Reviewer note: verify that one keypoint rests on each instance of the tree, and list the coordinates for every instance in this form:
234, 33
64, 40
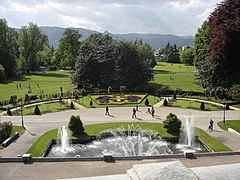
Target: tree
202, 44
67, 51
31, 41
234, 92
5, 130
146, 102
9, 112
165, 102
75, 125
2, 74
220, 58
91, 103
72, 105
202, 106
187, 55
37, 110
103, 61
225, 37
146, 53
170, 54
8, 49
172, 124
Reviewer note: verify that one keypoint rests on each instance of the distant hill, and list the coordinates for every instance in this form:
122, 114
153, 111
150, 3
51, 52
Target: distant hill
155, 40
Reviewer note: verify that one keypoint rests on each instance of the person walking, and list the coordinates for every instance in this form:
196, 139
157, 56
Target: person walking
107, 111
211, 124
134, 113
152, 111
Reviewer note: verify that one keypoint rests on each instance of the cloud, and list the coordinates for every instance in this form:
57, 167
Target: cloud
125, 16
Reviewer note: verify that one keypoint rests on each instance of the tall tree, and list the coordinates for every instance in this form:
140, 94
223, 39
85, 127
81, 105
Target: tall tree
67, 51
8, 48
170, 54
202, 43
104, 62
225, 46
31, 41
187, 55
146, 53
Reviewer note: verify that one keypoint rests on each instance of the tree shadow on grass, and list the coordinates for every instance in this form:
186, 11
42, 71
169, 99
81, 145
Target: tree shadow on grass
45, 74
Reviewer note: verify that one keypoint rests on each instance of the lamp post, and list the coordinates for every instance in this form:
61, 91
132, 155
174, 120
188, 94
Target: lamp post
21, 106
224, 115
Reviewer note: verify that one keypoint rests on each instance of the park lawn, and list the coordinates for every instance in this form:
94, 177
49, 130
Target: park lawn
188, 104
212, 143
40, 145
49, 83
19, 129
44, 108
175, 76
85, 101
236, 105
234, 124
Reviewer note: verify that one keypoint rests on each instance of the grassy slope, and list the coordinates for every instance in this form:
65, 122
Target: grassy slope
182, 75
49, 82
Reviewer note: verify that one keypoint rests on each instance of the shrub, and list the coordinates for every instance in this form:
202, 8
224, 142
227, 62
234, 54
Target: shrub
172, 124
37, 110
202, 106
91, 103
75, 125
227, 106
9, 112
146, 102
5, 130
165, 102
175, 96
72, 105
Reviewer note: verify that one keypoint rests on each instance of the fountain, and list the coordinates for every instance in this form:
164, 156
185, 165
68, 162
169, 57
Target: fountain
187, 140
119, 143
64, 146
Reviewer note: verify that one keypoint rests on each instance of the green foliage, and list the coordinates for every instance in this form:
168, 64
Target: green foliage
8, 49
5, 130
9, 112
2, 74
91, 103
37, 110
72, 105
75, 125
31, 41
67, 50
146, 102
103, 61
172, 124
165, 102
202, 43
202, 106
170, 54
234, 92
187, 55
146, 53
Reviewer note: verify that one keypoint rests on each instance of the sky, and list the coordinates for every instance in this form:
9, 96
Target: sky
179, 17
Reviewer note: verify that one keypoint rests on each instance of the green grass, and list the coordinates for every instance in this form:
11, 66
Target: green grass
85, 101
19, 129
175, 76
188, 104
236, 105
215, 145
234, 124
49, 82
40, 145
44, 108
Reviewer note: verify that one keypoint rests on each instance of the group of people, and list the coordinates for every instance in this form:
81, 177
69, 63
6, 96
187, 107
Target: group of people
134, 111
